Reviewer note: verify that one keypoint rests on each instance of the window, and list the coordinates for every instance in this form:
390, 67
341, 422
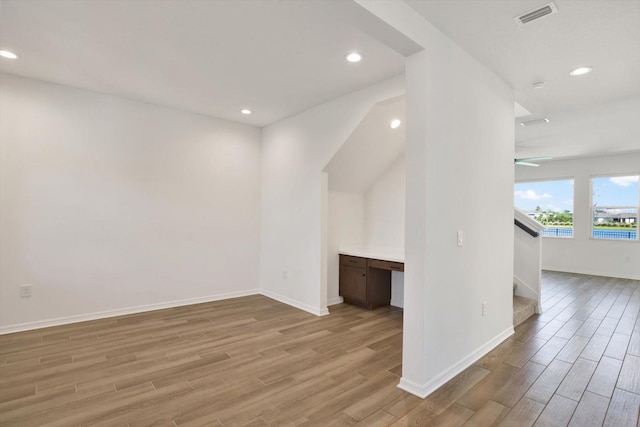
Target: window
550, 202
615, 201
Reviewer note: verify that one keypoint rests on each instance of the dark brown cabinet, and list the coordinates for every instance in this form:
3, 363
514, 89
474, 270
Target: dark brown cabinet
353, 283
366, 282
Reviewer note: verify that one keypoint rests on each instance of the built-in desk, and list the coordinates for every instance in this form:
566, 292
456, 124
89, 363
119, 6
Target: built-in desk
365, 276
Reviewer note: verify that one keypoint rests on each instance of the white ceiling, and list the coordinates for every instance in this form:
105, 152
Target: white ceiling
211, 57
589, 115
280, 57
373, 146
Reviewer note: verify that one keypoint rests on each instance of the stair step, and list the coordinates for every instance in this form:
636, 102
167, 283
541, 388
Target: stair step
523, 308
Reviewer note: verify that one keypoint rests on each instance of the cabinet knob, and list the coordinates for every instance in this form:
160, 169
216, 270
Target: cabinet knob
363, 274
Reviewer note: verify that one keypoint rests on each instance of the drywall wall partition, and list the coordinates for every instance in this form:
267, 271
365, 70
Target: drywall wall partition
294, 153
459, 180
582, 254
112, 206
459, 156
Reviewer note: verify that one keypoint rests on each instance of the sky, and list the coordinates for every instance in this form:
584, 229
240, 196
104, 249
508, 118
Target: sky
616, 191
558, 195
549, 195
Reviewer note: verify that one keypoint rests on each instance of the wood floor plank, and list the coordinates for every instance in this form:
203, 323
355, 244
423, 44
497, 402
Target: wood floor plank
490, 414
442, 398
605, 376
569, 329
380, 418
629, 378
572, 349
547, 383
524, 351
255, 361
496, 356
634, 343
626, 324
577, 379
523, 414
623, 409
590, 411
403, 405
589, 327
482, 392
557, 413
596, 347
418, 417
607, 326
617, 347
455, 416
510, 393
548, 352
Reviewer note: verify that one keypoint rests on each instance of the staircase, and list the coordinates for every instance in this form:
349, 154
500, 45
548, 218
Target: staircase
527, 265
523, 308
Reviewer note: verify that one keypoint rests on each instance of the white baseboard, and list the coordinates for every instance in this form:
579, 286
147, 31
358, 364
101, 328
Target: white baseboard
334, 301
20, 327
121, 311
592, 273
429, 387
293, 303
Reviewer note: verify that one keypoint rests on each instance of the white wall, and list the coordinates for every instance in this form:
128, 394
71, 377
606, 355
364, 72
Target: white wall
110, 205
583, 254
384, 209
294, 153
345, 229
384, 213
459, 178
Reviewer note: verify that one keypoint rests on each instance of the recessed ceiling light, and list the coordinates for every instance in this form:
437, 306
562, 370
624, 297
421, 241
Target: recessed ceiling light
580, 71
537, 85
7, 54
353, 57
395, 123
245, 111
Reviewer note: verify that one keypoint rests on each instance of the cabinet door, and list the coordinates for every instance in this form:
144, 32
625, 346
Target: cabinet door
353, 283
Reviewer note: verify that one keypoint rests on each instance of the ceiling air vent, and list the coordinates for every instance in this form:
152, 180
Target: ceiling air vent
548, 9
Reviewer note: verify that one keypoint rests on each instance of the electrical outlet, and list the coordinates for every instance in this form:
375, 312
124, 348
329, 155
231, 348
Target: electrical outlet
285, 274
25, 291
627, 259
460, 241
484, 308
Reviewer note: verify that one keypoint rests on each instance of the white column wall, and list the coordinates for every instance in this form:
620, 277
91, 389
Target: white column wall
459, 178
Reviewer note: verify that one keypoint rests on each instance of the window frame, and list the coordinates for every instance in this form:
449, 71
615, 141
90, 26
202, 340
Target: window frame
591, 208
573, 197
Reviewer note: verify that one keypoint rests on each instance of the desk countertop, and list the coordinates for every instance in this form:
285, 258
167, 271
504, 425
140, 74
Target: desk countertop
395, 255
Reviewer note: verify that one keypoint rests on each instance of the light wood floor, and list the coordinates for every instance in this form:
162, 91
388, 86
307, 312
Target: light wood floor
254, 361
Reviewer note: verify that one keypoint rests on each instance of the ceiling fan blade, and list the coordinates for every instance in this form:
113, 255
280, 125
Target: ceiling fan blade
534, 159
518, 162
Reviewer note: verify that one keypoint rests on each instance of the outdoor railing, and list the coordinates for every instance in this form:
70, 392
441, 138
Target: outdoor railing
558, 232
615, 234
596, 234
